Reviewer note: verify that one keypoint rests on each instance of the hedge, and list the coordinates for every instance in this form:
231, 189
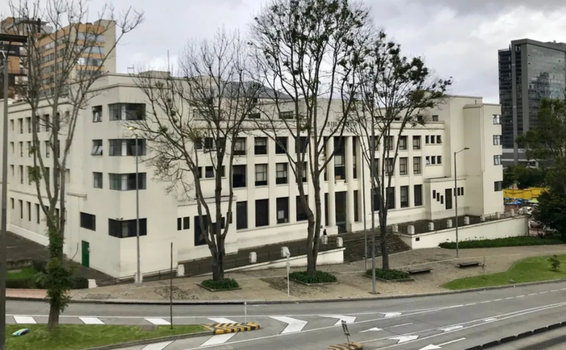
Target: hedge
389, 275
225, 284
31, 283
319, 277
503, 242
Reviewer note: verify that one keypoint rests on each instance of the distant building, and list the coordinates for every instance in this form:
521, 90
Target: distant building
529, 71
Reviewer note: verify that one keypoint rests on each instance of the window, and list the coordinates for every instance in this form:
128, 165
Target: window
28, 170
97, 180
287, 115
21, 149
389, 166
47, 149
126, 228
281, 145
260, 145
390, 197
301, 211
29, 148
305, 172
12, 147
88, 221
183, 223
47, 121
21, 125
261, 212
403, 162
497, 159
448, 202
403, 143
438, 139
434, 117
281, 173
12, 203
417, 161
96, 148
200, 231
389, 140
96, 114
209, 172
301, 144
28, 124
127, 182
282, 210
21, 203
496, 140
427, 139
498, 186
241, 215
126, 147
12, 125
404, 196
28, 205
126, 111
416, 142
496, 119
36, 212
438, 160
240, 146
239, 176
418, 194
261, 174
254, 115
21, 174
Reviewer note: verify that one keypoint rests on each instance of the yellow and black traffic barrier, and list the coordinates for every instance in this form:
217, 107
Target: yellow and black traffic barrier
225, 328
347, 346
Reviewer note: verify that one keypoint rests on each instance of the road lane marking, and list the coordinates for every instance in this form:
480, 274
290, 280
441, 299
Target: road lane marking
451, 328
348, 319
221, 320
293, 324
374, 329
157, 346
158, 321
509, 298
451, 342
400, 325
91, 320
404, 338
391, 314
24, 320
520, 296
218, 339
544, 292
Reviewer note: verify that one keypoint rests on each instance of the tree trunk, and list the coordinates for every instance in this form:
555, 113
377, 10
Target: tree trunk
53, 321
383, 244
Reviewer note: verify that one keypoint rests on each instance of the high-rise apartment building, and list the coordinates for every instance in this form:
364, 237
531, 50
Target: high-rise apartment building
529, 71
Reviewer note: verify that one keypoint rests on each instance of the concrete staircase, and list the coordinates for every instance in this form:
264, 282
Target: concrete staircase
354, 244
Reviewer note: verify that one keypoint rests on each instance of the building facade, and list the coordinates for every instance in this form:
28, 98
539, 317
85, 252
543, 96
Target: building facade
529, 71
101, 203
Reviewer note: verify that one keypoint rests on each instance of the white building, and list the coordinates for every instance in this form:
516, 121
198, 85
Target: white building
101, 207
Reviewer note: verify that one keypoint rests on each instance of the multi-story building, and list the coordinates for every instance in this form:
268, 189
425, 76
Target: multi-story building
101, 203
529, 71
98, 39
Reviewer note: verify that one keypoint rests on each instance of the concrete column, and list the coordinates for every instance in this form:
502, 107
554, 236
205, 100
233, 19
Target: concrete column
349, 156
331, 184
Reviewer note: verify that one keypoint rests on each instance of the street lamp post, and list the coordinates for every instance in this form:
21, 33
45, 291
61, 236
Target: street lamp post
372, 170
8, 39
456, 200
139, 277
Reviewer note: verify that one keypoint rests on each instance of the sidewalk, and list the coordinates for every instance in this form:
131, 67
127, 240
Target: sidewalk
272, 285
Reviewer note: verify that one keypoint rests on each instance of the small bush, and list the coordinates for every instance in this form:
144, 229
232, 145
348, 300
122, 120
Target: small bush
554, 263
225, 284
502, 242
389, 275
39, 265
80, 283
21, 283
319, 277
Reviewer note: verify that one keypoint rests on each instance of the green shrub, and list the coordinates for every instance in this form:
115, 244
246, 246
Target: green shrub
319, 277
80, 283
39, 265
389, 275
225, 284
502, 242
554, 263
21, 283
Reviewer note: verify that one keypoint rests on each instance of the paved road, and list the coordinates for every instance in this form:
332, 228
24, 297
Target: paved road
447, 322
552, 340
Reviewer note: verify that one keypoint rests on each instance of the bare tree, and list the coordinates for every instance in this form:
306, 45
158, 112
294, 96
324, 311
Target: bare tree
308, 52
195, 122
62, 64
395, 93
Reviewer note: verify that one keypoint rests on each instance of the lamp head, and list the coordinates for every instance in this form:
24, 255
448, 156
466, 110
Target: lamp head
466, 148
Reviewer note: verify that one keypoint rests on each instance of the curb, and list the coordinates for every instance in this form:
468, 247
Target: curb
151, 341
346, 346
227, 328
274, 302
518, 336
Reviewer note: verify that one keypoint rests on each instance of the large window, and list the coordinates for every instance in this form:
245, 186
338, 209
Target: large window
183, 223
261, 212
389, 142
240, 146
127, 147
127, 111
448, 202
389, 166
97, 180
301, 144
497, 159
281, 145
417, 165
282, 210
281, 173
241, 215
260, 145
96, 148
403, 166
498, 186
403, 143
390, 197
418, 195
261, 174
239, 176
301, 211
126, 228
404, 196
88, 221
126, 182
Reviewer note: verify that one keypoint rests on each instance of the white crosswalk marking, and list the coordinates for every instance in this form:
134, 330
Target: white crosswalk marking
24, 320
91, 320
218, 339
221, 320
157, 346
158, 321
293, 324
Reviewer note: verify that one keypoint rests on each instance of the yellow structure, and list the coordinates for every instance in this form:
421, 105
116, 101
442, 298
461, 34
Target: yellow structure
529, 193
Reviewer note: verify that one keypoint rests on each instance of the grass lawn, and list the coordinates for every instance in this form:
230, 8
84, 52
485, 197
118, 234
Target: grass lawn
528, 270
24, 272
73, 337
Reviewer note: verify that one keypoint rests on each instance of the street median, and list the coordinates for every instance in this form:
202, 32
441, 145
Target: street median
225, 328
346, 346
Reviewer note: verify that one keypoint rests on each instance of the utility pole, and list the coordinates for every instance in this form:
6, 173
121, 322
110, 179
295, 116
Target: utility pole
456, 201
139, 278
372, 154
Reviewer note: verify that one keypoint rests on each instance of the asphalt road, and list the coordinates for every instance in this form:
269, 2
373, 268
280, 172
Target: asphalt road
451, 322
552, 340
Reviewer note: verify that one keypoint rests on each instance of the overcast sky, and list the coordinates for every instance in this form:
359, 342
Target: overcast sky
458, 38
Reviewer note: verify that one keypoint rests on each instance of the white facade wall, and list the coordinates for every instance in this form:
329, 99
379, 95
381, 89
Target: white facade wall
461, 122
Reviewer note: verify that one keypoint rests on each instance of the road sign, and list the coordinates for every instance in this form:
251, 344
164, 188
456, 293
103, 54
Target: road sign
345, 328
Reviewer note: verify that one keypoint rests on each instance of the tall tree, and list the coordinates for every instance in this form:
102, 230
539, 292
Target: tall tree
395, 94
195, 123
307, 51
62, 64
